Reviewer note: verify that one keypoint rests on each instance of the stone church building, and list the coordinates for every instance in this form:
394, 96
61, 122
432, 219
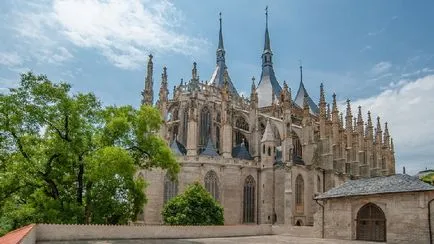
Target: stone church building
265, 157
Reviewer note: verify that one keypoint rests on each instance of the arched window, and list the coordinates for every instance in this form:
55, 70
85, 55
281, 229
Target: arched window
383, 163
249, 200
205, 126
298, 151
318, 184
211, 184
371, 223
170, 188
185, 127
299, 194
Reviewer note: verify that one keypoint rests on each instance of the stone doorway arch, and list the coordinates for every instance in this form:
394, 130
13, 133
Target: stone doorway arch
371, 223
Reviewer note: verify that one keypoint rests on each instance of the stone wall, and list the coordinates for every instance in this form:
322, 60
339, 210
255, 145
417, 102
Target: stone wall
51, 232
406, 216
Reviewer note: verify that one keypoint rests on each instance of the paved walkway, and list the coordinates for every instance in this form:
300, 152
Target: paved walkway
275, 239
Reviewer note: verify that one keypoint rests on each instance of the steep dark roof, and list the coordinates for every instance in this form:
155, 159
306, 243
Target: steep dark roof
241, 152
210, 150
369, 186
177, 148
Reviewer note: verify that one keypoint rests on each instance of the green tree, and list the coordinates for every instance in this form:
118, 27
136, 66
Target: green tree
64, 158
429, 178
194, 207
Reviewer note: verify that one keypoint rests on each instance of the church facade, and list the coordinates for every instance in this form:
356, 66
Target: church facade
263, 158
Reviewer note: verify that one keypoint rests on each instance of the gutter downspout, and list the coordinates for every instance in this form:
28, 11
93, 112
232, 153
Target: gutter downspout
322, 224
429, 221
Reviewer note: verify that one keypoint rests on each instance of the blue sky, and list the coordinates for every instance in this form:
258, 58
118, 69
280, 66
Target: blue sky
377, 53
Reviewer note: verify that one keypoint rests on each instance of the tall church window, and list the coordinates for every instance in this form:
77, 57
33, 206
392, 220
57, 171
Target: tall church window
298, 151
170, 188
211, 184
185, 127
318, 184
249, 200
205, 126
299, 194
383, 163
217, 136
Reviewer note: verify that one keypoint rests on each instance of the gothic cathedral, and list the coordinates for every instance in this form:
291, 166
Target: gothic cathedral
263, 158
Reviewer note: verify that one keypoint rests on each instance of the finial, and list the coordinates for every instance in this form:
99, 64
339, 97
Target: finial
301, 72
341, 120
150, 57
182, 82
335, 105
378, 124
348, 107
266, 16
328, 110
359, 115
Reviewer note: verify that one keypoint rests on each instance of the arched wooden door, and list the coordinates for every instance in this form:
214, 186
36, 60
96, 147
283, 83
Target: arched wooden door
371, 223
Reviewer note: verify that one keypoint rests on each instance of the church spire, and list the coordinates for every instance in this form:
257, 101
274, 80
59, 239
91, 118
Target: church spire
220, 47
148, 92
267, 54
268, 83
267, 45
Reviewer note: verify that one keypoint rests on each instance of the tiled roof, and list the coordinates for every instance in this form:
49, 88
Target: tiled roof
15, 237
377, 185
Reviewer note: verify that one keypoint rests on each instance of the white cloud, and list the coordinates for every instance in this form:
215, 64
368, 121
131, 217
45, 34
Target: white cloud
10, 59
122, 31
381, 67
408, 107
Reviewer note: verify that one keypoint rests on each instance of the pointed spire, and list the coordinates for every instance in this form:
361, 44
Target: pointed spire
220, 48
378, 134
148, 93
267, 45
386, 136
322, 102
341, 119
378, 125
220, 33
359, 116
268, 133
335, 105
301, 74
253, 84
164, 92
348, 116
369, 127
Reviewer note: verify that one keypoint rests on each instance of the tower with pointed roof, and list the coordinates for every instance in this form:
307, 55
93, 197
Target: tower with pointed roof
268, 86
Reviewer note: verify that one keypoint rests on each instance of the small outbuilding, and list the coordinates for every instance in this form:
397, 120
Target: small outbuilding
392, 209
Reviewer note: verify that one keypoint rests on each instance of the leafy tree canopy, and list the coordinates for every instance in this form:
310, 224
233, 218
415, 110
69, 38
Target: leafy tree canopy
194, 207
429, 178
64, 158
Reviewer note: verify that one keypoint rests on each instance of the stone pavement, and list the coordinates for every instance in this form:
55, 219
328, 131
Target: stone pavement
275, 239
